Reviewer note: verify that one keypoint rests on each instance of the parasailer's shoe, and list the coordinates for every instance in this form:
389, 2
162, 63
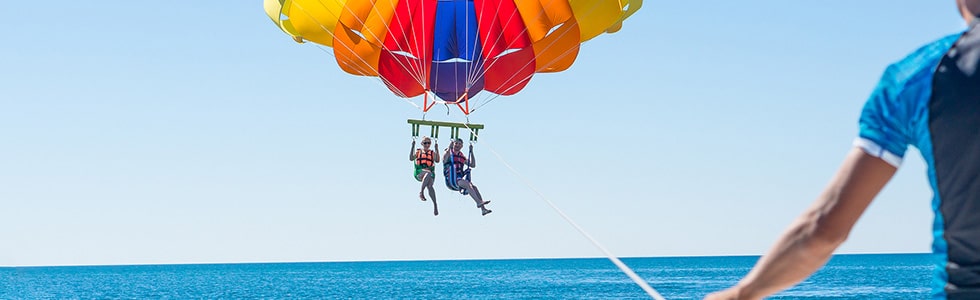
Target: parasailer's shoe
486, 211
422, 196
483, 204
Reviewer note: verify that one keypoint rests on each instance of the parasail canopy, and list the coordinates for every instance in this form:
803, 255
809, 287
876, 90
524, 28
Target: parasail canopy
451, 49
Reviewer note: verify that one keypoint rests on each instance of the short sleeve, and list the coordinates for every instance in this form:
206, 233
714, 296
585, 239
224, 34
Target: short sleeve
894, 115
883, 126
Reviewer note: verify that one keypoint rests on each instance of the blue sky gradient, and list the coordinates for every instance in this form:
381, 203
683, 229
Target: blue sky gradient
196, 132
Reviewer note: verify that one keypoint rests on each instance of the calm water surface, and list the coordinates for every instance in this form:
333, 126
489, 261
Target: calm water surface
867, 276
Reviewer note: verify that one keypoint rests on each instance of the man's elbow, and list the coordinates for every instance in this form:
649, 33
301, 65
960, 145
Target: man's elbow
825, 236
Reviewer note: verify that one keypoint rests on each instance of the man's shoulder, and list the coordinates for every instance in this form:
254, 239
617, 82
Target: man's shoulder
920, 62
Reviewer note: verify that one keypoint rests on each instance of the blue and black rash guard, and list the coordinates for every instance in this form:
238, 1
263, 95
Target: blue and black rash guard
931, 100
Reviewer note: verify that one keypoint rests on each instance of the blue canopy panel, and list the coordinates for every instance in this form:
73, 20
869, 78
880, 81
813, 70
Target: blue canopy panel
457, 62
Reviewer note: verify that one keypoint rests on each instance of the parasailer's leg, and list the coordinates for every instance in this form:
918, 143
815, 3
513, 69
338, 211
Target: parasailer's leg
435, 207
475, 193
421, 176
427, 183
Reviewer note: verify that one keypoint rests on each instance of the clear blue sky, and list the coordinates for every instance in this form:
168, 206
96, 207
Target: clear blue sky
195, 131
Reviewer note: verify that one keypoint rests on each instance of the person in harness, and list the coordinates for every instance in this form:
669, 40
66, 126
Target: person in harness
456, 168
425, 161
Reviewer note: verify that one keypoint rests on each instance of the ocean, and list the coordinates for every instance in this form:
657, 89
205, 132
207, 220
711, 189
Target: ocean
856, 276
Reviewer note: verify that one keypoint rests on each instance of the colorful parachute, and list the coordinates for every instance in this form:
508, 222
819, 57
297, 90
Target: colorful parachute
452, 49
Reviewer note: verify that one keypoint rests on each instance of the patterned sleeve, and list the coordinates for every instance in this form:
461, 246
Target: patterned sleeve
883, 123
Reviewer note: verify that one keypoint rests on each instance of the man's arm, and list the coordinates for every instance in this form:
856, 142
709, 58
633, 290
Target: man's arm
812, 238
435, 152
472, 159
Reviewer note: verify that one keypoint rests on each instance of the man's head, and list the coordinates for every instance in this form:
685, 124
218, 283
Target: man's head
457, 143
426, 141
970, 9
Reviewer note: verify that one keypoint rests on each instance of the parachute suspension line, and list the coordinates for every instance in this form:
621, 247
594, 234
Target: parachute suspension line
381, 80
478, 70
416, 75
456, 75
412, 104
323, 48
515, 83
419, 45
483, 65
325, 29
590, 11
474, 67
523, 31
417, 67
615, 260
425, 105
332, 35
411, 68
563, 54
